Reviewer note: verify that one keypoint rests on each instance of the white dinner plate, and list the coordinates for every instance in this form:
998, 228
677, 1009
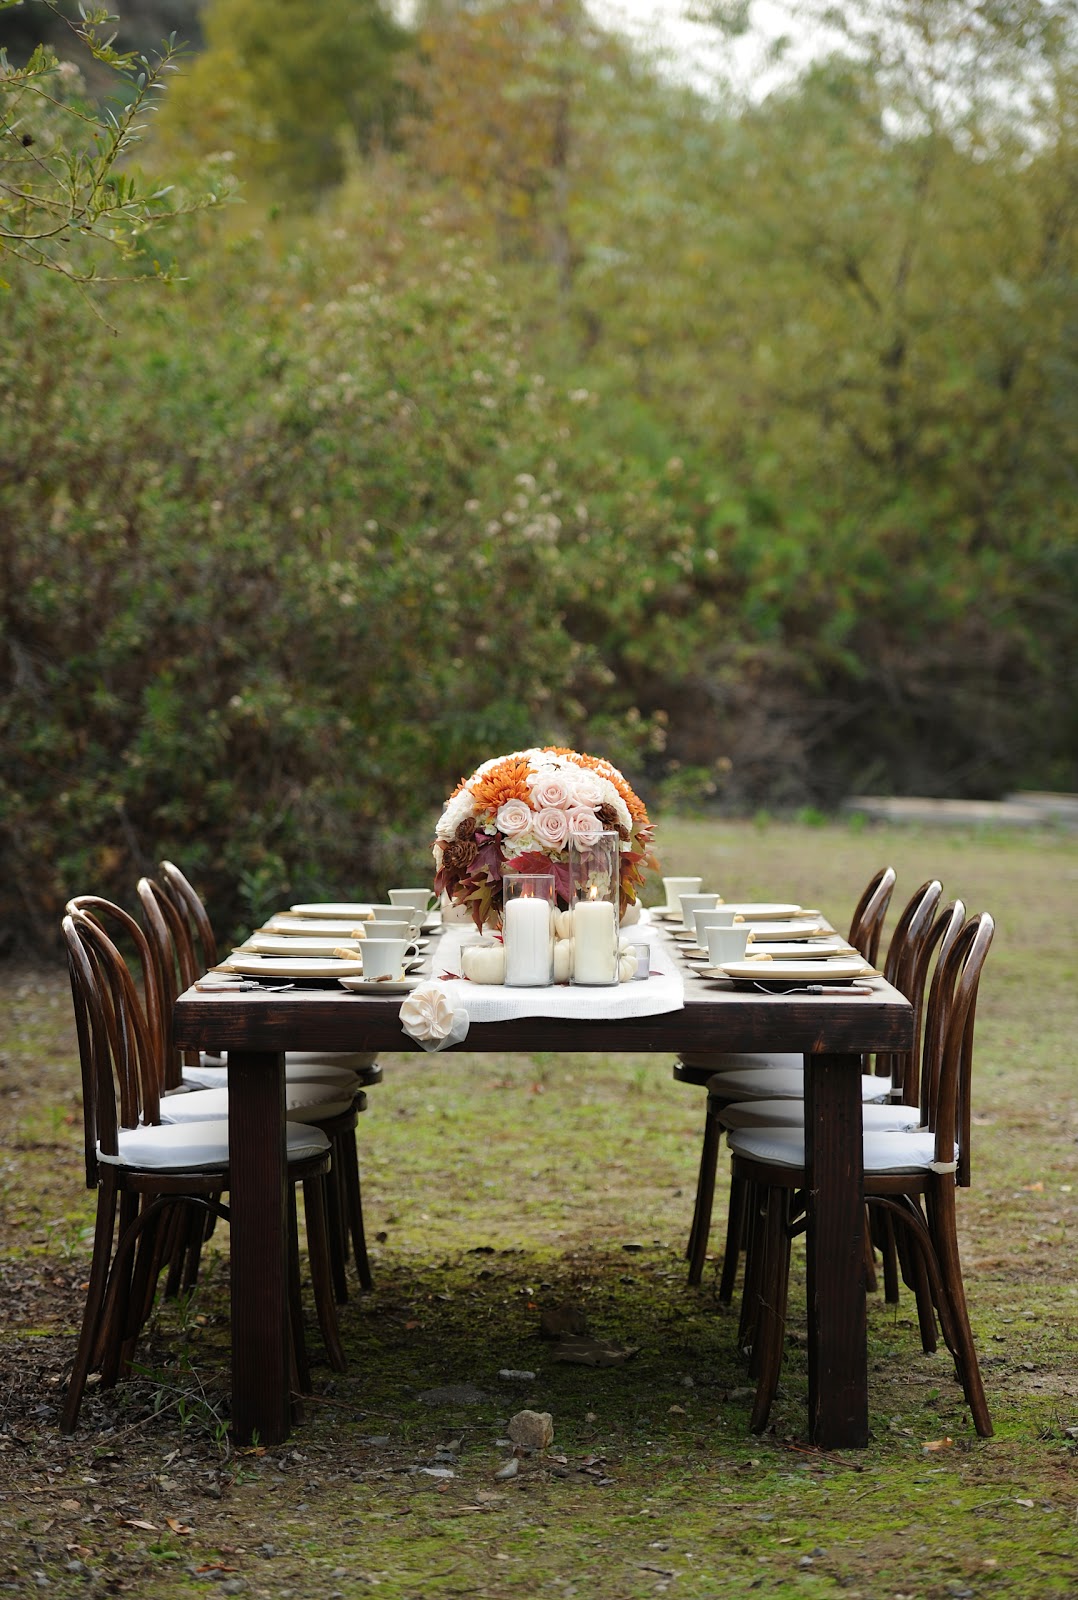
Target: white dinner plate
814, 950
256, 966
380, 985
797, 928
832, 969
314, 927
269, 944
761, 910
334, 908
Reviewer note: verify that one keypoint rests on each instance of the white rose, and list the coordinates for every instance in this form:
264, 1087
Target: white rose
587, 790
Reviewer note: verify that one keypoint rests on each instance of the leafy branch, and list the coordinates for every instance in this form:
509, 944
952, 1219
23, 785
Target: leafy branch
61, 156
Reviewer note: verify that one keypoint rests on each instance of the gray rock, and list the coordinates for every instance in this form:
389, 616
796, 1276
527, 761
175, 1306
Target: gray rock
534, 1430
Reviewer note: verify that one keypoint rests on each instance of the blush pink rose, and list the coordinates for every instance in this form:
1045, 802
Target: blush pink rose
584, 825
550, 827
514, 817
549, 789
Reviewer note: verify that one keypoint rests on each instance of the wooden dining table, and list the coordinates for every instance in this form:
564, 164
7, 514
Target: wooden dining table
833, 1031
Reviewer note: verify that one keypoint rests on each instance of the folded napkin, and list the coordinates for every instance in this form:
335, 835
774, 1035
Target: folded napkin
428, 1016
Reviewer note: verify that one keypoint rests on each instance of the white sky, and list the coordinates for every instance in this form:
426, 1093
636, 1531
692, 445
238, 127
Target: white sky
693, 50
698, 52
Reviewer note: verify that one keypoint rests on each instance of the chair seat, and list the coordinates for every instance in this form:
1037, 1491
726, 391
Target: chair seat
791, 1114
351, 1060
913, 1151
304, 1102
739, 1060
198, 1147
783, 1083
213, 1074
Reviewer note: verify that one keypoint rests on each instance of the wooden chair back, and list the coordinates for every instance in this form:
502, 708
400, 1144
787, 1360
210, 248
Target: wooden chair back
866, 925
190, 929
167, 934
195, 915
947, 1068
903, 968
118, 1045
126, 934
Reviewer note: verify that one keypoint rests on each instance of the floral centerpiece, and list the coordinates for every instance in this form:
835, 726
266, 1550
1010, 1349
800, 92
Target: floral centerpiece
518, 813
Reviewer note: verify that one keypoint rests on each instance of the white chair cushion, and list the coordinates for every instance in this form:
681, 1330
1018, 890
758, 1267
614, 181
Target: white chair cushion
304, 1102
199, 1146
212, 1076
740, 1060
783, 1083
791, 1114
352, 1060
914, 1151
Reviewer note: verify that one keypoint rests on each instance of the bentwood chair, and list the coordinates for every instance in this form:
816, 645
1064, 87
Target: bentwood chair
198, 953
150, 1176
909, 973
911, 1175
332, 1107
700, 1068
348, 1073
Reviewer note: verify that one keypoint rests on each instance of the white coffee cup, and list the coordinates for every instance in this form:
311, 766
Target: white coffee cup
384, 958
414, 899
392, 913
720, 917
394, 930
678, 886
696, 902
725, 944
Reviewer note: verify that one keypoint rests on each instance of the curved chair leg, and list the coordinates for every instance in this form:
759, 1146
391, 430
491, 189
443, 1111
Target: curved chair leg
321, 1272
352, 1205
755, 1223
736, 1217
104, 1231
694, 1228
335, 1228
300, 1364
771, 1318
943, 1228
705, 1197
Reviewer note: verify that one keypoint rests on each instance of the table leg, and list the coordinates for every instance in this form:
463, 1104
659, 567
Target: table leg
837, 1328
258, 1237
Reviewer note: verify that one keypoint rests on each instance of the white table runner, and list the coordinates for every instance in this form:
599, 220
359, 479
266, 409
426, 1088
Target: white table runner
442, 997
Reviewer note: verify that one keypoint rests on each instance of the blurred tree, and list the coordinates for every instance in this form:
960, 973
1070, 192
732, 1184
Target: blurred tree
288, 86
505, 117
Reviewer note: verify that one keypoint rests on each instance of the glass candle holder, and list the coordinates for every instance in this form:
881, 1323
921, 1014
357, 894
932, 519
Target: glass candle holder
594, 878
528, 929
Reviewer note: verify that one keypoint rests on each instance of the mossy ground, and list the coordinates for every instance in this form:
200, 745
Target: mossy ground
497, 1188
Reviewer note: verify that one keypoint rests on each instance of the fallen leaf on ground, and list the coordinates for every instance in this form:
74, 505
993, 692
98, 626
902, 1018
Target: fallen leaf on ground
583, 1352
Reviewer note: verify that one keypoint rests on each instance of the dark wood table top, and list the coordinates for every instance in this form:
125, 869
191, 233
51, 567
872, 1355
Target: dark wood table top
714, 1017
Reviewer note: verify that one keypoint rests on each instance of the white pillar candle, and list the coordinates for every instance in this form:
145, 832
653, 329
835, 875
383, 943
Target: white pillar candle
528, 935
595, 954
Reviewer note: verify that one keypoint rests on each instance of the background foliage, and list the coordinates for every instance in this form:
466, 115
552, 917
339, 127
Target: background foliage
534, 395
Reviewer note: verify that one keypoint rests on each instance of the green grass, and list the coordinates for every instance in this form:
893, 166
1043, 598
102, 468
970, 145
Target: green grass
496, 1188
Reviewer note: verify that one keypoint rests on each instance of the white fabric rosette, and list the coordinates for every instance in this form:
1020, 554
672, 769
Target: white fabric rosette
428, 1017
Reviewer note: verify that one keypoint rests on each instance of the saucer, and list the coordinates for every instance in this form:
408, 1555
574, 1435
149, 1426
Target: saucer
380, 985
